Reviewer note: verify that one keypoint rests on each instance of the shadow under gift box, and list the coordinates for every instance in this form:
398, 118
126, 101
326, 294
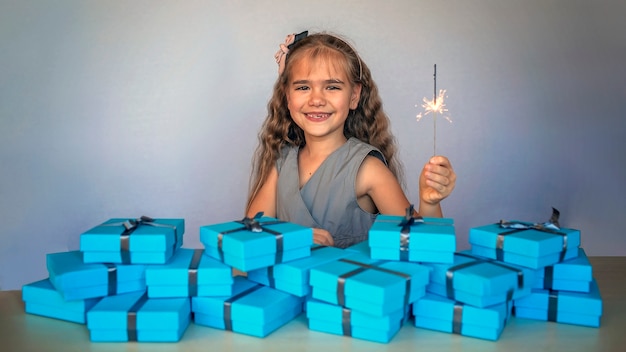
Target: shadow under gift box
75, 279
41, 298
438, 313
372, 286
334, 319
148, 243
478, 281
253, 309
529, 247
573, 274
189, 273
430, 240
135, 317
244, 249
574, 308
293, 277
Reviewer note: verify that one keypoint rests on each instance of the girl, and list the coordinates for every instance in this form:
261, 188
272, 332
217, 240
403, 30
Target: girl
326, 157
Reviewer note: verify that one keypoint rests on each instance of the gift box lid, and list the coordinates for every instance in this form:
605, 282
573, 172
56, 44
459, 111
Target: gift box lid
371, 280
480, 276
42, 292
572, 302
145, 236
67, 271
254, 237
112, 312
436, 234
528, 242
297, 271
186, 263
249, 302
576, 269
437, 307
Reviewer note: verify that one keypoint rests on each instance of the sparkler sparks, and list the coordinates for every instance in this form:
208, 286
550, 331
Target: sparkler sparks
435, 106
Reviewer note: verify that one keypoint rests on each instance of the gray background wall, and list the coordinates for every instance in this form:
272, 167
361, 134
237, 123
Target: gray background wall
124, 108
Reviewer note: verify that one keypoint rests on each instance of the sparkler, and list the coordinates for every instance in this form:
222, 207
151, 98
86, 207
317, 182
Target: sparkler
435, 106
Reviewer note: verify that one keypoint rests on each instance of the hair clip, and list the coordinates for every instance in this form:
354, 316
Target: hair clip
298, 37
281, 54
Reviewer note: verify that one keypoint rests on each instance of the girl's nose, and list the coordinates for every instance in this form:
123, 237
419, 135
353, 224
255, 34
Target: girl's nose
317, 97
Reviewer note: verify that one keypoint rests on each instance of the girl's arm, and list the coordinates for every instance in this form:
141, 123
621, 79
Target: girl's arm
375, 180
265, 200
378, 189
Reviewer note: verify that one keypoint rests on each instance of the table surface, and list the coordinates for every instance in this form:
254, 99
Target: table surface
26, 332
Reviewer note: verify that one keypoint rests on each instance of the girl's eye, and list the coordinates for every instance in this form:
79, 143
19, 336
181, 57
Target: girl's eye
302, 88
333, 88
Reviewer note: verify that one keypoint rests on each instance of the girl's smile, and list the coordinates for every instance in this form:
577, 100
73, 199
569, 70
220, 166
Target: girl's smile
317, 117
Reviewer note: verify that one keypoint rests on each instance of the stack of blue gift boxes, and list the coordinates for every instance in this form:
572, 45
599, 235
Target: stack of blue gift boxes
465, 294
132, 280
104, 284
563, 289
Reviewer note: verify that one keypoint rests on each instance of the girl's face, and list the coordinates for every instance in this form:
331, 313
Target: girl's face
320, 96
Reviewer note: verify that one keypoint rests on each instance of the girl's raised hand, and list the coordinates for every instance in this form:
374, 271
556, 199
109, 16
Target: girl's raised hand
437, 180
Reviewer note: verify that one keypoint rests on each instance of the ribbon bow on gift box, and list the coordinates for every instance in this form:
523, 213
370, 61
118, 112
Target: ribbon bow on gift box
130, 226
406, 223
551, 226
253, 225
548, 226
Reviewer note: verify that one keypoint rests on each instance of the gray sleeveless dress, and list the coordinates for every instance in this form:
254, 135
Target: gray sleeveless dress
328, 199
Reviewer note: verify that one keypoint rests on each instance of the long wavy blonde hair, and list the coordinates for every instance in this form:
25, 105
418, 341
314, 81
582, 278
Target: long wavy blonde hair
368, 122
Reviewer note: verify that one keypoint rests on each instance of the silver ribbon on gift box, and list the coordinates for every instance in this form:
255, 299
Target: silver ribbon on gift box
192, 274
253, 225
131, 317
111, 279
228, 320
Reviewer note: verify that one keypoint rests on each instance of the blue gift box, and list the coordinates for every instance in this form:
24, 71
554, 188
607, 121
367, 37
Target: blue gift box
441, 314
571, 275
334, 319
41, 298
575, 308
78, 280
478, 281
189, 273
136, 241
526, 244
293, 277
255, 243
135, 317
412, 239
364, 284
253, 309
